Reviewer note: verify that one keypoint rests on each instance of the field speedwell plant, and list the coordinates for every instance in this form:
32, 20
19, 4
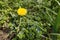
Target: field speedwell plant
36, 24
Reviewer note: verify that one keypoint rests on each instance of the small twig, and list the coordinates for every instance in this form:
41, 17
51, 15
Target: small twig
11, 36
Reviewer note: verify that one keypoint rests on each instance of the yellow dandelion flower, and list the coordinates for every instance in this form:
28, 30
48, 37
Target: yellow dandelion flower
22, 11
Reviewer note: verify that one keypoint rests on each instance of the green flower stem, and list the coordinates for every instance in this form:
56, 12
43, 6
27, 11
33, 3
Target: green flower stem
19, 24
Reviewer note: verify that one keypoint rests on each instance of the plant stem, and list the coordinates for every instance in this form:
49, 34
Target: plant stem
56, 25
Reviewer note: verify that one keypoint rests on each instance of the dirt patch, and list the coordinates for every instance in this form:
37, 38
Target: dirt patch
4, 34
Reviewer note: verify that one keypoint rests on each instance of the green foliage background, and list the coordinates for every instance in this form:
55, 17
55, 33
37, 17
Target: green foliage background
38, 21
